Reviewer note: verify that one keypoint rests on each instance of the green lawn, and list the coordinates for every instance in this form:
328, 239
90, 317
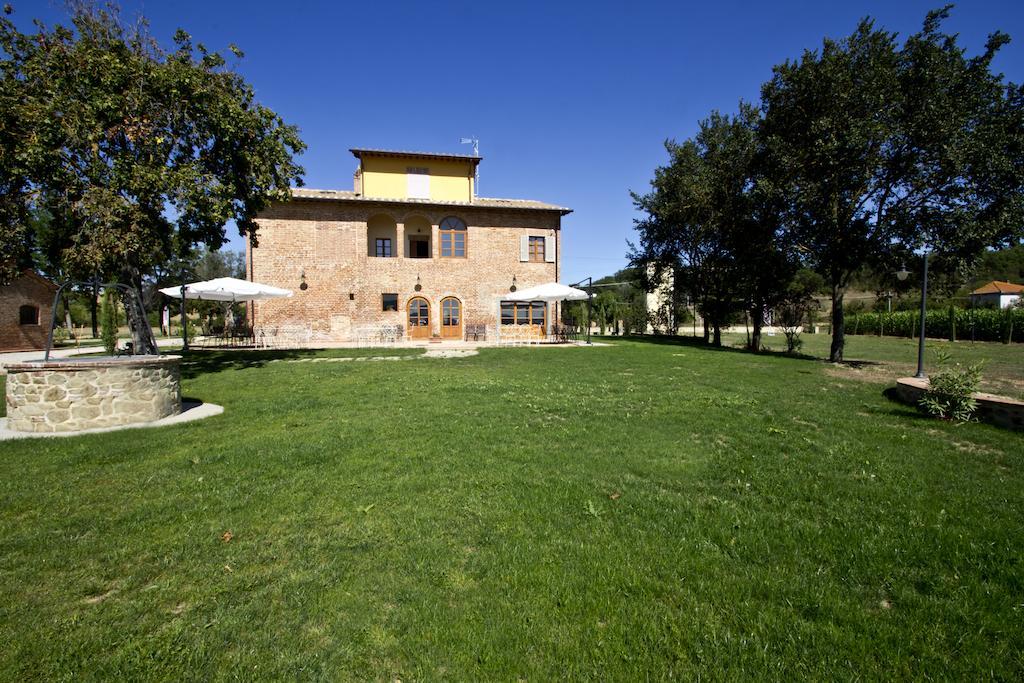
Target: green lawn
644, 510
884, 359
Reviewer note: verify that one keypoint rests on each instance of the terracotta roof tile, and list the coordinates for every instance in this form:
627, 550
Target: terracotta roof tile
999, 287
360, 151
479, 202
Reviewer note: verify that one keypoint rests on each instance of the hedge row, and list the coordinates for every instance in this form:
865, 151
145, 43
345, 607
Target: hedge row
970, 324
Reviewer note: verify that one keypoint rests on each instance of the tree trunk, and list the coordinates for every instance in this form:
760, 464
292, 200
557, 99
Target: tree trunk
67, 316
92, 311
838, 329
704, 321
138, 321
757, 314
718, 335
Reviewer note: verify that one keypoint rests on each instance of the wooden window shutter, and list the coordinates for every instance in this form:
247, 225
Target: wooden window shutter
524, 248
418, 183
549, 249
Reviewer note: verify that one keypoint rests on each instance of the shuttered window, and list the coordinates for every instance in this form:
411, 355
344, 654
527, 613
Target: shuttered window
536, 249
418, 182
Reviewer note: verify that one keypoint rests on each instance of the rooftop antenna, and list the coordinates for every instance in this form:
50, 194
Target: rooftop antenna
476, 152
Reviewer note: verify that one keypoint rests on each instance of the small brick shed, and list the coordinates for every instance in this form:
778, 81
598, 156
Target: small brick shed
26, 308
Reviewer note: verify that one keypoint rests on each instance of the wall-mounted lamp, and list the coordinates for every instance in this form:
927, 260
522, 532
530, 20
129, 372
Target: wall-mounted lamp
418, 286
513, 287
302, 281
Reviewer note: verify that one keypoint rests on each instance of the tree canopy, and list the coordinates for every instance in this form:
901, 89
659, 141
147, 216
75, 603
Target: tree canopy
866, 151
136, 153
713, 220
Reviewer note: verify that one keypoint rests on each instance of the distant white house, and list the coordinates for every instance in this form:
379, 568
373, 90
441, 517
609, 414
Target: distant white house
997, 293
660, 309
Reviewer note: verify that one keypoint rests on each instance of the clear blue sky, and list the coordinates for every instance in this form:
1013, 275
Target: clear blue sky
571, 101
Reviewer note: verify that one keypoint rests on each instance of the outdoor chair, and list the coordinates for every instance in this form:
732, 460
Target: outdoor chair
262, 338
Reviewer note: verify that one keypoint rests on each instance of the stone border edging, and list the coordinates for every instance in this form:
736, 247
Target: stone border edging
190, 412
1001, 411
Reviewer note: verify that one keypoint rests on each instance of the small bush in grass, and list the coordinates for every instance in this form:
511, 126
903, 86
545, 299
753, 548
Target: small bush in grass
793, 340
60, 335
108, 320
950, 393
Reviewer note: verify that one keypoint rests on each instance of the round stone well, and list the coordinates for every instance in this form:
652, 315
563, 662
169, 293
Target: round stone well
73, 394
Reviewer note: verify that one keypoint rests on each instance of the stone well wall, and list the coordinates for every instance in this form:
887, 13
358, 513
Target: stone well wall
72, 395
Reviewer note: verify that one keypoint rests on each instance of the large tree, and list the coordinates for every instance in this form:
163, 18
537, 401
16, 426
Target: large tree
883, 150
713, 218
137, 153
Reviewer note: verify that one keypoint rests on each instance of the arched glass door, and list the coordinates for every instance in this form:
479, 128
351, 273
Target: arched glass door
451, 318
419, 318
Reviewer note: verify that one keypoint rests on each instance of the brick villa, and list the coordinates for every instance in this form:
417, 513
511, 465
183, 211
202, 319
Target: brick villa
411, 248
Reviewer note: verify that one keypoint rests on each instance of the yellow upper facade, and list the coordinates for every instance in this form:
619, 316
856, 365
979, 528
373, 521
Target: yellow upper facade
415, 175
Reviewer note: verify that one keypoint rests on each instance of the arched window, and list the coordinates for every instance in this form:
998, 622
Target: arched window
28, 315
453, 237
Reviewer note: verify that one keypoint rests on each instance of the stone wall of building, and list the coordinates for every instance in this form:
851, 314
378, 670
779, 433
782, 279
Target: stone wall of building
67, 396
26, 290
326, 243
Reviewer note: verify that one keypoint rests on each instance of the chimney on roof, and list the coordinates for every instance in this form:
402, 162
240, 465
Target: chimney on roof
357, 181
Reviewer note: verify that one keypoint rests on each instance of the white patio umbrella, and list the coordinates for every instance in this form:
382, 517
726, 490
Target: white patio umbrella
548, 292
228, 289
225, 290
552, 291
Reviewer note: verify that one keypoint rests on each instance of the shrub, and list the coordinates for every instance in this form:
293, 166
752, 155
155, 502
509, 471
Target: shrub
950, 393
108, 321
60, 335
793, 340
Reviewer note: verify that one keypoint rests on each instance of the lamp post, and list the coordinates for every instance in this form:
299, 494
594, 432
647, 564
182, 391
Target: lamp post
184, 315
590, 299
902, 274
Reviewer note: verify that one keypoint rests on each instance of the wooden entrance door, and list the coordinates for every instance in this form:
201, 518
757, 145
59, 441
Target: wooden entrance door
419, 318
451, 318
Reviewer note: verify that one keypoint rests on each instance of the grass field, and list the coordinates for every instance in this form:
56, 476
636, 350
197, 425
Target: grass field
650, 509
883, 359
